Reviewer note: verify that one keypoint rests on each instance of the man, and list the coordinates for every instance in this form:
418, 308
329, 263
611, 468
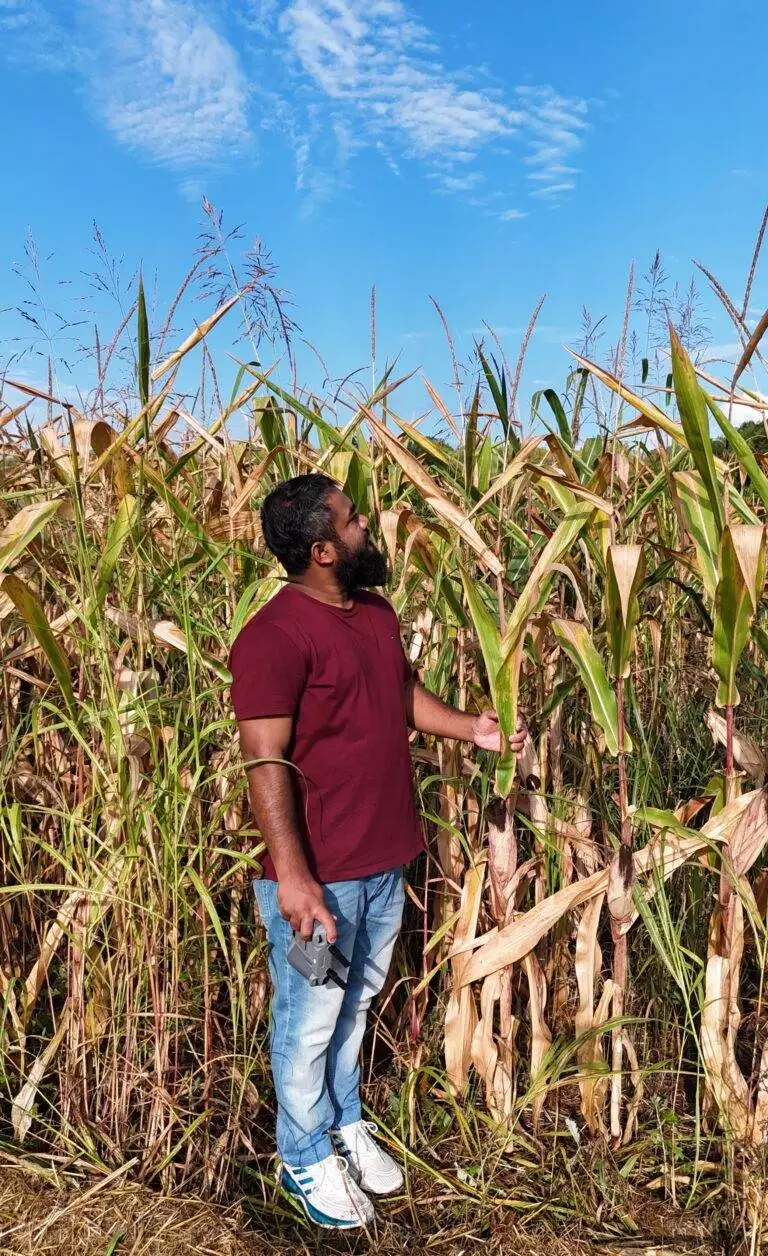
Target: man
324, 698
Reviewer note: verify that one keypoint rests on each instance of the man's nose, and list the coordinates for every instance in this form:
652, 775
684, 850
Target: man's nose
363, 521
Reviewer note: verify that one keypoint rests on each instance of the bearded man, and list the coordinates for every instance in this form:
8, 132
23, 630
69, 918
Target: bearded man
325, 697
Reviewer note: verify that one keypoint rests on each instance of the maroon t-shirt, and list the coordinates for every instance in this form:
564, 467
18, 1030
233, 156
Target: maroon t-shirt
342, 675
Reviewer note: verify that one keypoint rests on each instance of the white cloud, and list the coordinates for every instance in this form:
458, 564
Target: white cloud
28, 32
372, 55
458, 182
726, 351
553, 190
164, 81
372, 62
556, 130
157, 73
186, 83
739, 414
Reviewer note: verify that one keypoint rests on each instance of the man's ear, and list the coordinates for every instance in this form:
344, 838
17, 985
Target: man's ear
323, 553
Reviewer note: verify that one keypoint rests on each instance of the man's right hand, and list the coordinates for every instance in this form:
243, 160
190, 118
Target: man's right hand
302, 903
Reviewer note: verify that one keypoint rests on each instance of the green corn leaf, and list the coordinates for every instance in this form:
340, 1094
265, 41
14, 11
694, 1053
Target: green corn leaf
556, 406
692, 405
577, 642
488, 634
31, 610
502, 682
760, 637
337, 466
567, 532
743, 452
484, 624
530, 600
272, 427
655, 488
444, 456
699, 520
120, 529
484, 463
741, 571
556, 698
142, 331
470, 440
497, 384
651, 413
210, 908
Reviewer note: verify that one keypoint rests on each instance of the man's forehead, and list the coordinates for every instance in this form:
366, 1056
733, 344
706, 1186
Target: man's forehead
339, 502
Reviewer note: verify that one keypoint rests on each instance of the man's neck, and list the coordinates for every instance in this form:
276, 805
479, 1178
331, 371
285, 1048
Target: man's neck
328, 591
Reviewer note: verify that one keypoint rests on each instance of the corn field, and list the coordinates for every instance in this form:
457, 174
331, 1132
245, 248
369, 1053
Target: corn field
586, 935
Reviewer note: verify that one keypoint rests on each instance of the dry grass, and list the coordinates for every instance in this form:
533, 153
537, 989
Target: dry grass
41, 1218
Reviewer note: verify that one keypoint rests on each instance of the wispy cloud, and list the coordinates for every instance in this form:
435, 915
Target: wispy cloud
375, 64
182, 83
723, 352
28, 31
164, 80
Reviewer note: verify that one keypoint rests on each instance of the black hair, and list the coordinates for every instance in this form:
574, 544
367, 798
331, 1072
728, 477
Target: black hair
296, 515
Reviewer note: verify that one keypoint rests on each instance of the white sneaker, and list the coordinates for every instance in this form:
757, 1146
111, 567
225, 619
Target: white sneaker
328, 1194
372, 1167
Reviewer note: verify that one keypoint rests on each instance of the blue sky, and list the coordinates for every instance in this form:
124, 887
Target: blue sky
482, 154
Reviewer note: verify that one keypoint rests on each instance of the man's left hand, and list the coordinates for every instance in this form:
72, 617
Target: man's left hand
487, 735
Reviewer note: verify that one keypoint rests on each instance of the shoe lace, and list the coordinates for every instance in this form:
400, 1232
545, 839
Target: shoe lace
350, 1186
369, 1128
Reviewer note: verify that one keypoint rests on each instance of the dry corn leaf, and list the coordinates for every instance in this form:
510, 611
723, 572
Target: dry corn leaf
589, 1053
24, 1102
725, 1084
514, 468
749, 834
516, 939
461, 1014
541, 1037
435, 497
22, 528
498, 948
13, 413
485, 1055
194, 339
502, 855
761, 1100
389, 522
243, 526
746, 754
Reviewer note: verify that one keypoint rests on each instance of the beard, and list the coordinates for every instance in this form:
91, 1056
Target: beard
364, 568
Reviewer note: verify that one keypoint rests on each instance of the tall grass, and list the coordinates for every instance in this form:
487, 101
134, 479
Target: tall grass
585, 944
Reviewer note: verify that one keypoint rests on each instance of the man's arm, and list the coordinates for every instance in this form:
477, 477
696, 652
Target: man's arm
263, 743
428, 714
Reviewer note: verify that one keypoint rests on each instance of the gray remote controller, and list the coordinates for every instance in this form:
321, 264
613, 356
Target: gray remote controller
317, 959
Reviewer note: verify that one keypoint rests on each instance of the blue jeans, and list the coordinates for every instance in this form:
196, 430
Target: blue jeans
317, 1031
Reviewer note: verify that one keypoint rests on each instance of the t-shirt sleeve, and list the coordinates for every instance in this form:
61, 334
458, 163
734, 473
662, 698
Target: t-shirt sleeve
269, 672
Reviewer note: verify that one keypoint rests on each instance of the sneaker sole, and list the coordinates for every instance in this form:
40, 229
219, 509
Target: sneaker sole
320, 1218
